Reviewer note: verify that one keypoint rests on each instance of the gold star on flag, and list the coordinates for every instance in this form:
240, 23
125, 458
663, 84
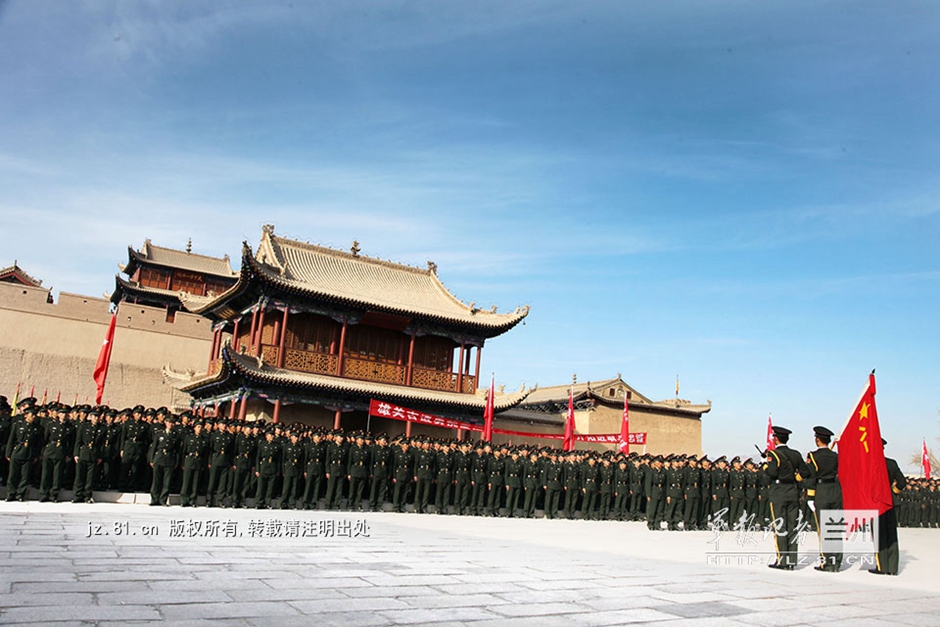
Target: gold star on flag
863, 412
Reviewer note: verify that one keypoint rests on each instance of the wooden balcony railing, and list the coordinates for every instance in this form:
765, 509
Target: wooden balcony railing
368, 370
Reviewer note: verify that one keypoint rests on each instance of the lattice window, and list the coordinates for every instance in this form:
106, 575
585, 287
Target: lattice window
151, 277
434, 353
310, 332
374, 344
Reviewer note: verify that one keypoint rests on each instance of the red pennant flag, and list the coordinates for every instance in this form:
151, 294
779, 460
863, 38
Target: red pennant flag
104, 359
925, 461
58, 396
771, 445
45, 395
489, 411
862, 470
568, 442
625, 427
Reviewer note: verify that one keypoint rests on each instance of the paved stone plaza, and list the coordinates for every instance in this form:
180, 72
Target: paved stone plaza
129, 564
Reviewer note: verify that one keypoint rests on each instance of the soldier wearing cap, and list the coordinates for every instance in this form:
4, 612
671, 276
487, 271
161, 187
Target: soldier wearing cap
195, 448
737, 485
785, 468
461, 465
269, 463
823, 490
512, 479
444, 455
54, 454
22, 450
478, 478
656, 490
134, 433
337, 455
314, 469
403, 463
358, 470
165, 453
88, 453
888, 556
6, 424
246, 449
292, 467
221, 453
692, 493
675, 493
380, 472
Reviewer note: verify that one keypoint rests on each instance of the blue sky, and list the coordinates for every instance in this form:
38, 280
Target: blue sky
743, 194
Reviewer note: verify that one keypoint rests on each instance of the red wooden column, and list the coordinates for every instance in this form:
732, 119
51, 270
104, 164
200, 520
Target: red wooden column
408, 429
339, 362
411, 360
214, 351
251, 332
463, 346
336, 418
243, 409
476, 381
231, 408
277, 411
236, 344
280, 341
258, 333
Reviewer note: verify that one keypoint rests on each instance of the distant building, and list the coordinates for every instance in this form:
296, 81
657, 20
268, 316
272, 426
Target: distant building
157, 276
17, 276
310, 333
672, 426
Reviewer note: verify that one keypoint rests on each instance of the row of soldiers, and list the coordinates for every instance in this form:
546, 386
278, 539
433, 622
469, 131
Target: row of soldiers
919, 503
229, 461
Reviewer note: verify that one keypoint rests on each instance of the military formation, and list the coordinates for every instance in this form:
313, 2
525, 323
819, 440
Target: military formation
231, 463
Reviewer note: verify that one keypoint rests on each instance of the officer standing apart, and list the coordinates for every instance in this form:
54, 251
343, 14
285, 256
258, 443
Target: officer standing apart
784, 467
822, 486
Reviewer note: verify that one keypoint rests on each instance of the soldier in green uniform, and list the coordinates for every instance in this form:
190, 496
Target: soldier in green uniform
133, 448
88, 452
495, 471
785, 468
605, 486
245, 455
478, 478
195, 449
622, 489
314, 469
737, 497
589, 487
822, 487
444, 463
221, 457
53, 456
888, 556
404, 475
572, 483
721, 492
268, 465
424, 475
513, 482
23, 448
165, 451
357, 471
553, 480
381, 469
675, 493
692, 492
6, 424
531, 483
461, 465
638, 497
292, 468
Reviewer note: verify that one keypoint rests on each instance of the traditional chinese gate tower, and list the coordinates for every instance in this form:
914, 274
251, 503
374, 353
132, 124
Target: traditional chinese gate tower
308, 333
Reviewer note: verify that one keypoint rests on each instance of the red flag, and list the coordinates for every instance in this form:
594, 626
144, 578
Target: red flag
625, 427
771, 445
58, 396
925, 461
104, 358
568, 442
862, 470
45, 395
489, 411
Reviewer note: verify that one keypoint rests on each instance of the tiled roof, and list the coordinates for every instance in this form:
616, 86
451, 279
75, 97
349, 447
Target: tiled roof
352, 280
599, 391
20, 274
123, 286
248, 367
172, 258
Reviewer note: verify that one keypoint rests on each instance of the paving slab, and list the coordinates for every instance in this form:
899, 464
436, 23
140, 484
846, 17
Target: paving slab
120, 563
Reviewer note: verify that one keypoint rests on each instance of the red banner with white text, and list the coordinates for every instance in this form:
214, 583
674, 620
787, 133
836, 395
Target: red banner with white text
381, 409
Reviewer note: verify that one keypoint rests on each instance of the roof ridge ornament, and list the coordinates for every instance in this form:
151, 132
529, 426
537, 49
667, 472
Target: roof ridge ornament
355, 248
432, 267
